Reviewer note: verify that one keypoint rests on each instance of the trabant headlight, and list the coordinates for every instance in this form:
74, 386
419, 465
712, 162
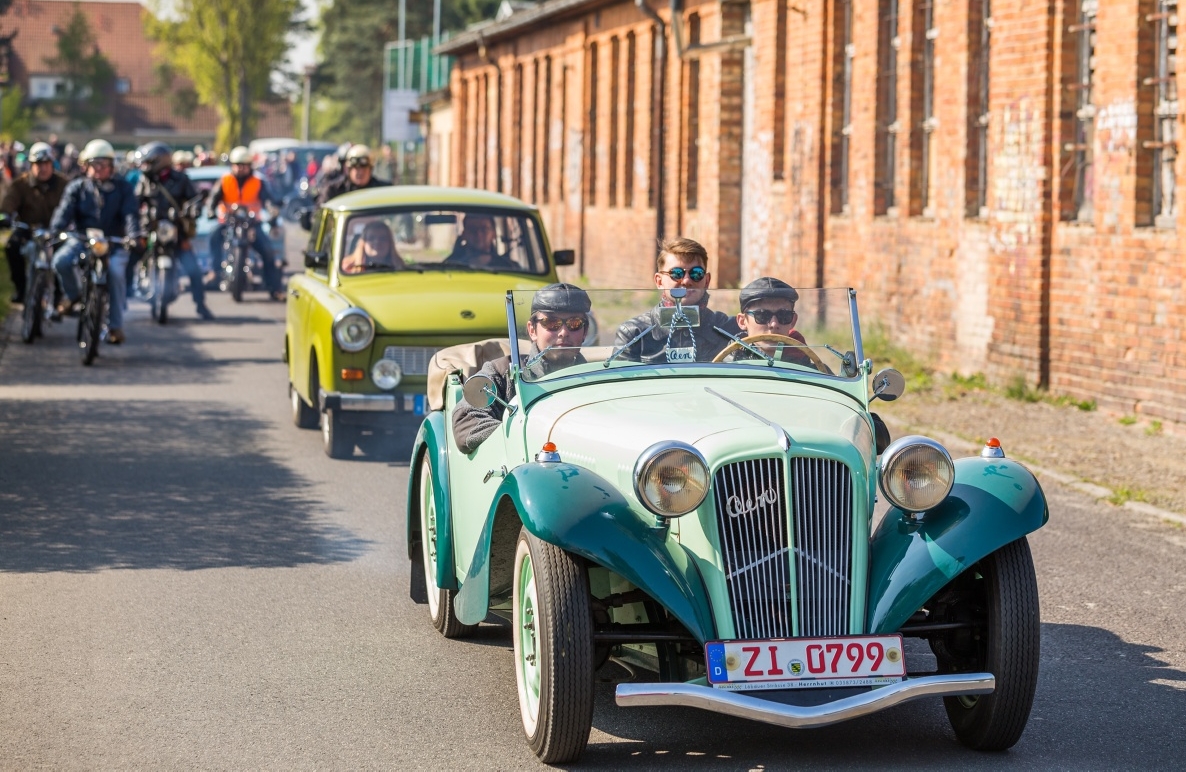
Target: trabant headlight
671, 479
166, 232
386, 373
353, 330
916, 473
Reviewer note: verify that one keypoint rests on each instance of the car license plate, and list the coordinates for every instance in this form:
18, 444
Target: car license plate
805, 663
416, 404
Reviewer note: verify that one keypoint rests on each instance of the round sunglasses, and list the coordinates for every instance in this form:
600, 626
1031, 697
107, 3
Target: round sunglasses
763, 316
573, 323
696, 273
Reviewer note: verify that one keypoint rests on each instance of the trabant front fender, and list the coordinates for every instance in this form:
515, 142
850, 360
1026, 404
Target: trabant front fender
430, 443
994, 501
583, 513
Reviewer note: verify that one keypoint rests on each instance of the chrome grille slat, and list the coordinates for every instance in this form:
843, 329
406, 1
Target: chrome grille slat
822, 515
412, 359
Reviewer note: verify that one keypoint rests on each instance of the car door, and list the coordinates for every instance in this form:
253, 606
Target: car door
473, 479
303, 292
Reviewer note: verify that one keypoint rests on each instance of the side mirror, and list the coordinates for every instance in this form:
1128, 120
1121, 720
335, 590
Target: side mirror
307, 219
479, 391
889, 384
316, 260
565, 256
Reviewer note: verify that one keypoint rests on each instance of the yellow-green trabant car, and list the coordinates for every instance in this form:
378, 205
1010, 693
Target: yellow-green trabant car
699, 508
392, 275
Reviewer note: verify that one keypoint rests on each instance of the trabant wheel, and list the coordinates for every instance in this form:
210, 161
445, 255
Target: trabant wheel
336, 439
440, 602
303, 416
552, 631
1002, 592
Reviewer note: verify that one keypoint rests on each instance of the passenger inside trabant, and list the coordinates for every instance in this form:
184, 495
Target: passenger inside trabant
477, 245
374, 250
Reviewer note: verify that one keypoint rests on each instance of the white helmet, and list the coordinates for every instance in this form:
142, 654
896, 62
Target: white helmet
358, 155
41, 151
96, 148
240, 155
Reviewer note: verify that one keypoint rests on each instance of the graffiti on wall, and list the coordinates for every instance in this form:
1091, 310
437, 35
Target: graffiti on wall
1018, 175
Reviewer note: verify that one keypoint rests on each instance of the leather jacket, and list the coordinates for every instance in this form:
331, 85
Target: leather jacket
110, 206
33, 202
339, 185
652, 347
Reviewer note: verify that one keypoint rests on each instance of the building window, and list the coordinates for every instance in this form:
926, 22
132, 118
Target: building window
780, 89
885, 168
628, 171
463, 154
1160, 92
692, 149
922, 98
1079, 149
841, 105
516, 181
483, 126
591, 151
615, 69
656, 109
979, 53
543, 163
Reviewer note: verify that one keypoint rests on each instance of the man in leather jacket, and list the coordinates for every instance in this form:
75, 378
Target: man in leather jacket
161, 189
245, 188
99, 200
31, 199
564, 307
681, 263
357, 175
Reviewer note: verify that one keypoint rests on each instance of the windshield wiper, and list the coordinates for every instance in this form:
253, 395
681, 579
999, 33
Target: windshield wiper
769, 359
847, 359
633, 340
535, 359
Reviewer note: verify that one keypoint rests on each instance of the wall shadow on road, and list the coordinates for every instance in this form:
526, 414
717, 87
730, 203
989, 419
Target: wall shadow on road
1101, 703
92, 485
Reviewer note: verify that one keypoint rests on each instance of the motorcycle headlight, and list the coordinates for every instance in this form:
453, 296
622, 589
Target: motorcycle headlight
671, 479
386, 373
100, 246
166, 232
916, 473
353, 330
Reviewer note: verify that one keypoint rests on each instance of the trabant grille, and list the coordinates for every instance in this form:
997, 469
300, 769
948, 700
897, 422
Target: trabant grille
412, 359
752, 513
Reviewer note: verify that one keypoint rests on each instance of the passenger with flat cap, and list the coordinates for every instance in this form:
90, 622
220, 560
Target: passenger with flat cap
557, 327
768, 308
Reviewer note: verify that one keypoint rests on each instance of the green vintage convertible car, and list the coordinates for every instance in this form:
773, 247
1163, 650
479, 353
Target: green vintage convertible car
393, 275
713, 523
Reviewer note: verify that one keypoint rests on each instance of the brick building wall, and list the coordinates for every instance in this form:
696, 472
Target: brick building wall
1001, 201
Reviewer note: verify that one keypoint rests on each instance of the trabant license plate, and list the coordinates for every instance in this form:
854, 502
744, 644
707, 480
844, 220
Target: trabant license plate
416, 404
805, 663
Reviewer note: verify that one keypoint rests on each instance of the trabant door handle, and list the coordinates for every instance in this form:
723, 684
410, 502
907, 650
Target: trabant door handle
495, 473
296, 293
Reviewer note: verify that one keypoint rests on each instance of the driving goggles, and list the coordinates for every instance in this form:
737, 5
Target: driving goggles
551, 324
696, 273
354, 163
763, 316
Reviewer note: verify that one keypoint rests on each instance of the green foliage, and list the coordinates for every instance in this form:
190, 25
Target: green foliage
1127, 420
1153, 428
886, 353
1124, 493
89, 76
18, 117
182, 99
229, 49
1019, 389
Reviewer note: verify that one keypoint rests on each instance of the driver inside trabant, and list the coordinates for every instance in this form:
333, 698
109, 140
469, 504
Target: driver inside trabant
557, 327
768, 308
375, 251
477, 244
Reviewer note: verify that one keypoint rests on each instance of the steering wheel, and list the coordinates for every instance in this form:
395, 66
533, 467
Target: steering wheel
770, 337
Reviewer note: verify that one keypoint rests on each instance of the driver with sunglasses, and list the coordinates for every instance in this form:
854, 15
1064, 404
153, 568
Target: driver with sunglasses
768, 308
681, 263
557, 326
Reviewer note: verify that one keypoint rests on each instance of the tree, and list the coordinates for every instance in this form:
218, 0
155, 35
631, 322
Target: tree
88, 75
18, 117
229, 49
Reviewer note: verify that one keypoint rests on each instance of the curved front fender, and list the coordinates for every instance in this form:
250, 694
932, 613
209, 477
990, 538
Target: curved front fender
430, 441
993, 502
583, 513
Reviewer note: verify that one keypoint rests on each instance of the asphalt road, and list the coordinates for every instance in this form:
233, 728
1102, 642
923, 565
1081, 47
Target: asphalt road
187, 581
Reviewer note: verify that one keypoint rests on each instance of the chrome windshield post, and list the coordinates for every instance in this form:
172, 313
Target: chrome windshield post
513, 333
856, 325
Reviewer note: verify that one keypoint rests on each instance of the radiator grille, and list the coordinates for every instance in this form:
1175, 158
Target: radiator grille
751, 510
412, 359
822, 513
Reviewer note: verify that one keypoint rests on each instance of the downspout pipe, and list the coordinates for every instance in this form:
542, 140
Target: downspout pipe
659, 116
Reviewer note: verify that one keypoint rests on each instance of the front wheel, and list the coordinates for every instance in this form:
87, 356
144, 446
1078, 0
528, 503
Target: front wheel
440, 602
31, 319
1000, 594
303, 416
552, 631
239, 279
90, 322
160, 295
337, 440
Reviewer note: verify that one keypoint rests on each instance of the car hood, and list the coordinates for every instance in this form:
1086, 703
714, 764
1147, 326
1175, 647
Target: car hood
437, 301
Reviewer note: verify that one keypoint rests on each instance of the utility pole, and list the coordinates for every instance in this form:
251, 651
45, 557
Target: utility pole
403, 76
309, 70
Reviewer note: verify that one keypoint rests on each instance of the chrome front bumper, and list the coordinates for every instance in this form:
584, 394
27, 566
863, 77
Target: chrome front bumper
369, 403
742, 705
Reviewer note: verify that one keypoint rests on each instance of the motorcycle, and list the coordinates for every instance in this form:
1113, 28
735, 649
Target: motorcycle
304, 198
41, 280
95, 276
241, 262
160, 257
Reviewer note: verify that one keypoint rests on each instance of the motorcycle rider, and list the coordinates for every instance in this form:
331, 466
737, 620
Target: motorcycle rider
104, 201
359, 174
245, 188
163, 188
31, 199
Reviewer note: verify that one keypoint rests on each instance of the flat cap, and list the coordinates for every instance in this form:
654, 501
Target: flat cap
561, 299
766, 288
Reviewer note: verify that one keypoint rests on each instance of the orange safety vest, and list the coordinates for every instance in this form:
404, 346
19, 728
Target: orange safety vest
247, 196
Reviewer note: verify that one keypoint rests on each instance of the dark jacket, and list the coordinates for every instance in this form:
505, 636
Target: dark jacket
652, 348
171, 189
787, 354
339, 185
33, 202
111, 206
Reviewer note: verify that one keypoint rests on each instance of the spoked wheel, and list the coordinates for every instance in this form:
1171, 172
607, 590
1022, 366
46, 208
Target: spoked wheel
440, 602
160, 310
239, 278
552, 631
90, 324
999, 596
303, 416
337, 440
31, 318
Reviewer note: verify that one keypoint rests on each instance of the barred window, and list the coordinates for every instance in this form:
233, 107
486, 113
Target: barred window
780, 89
692, 181
885, 168
1079, 149
591, 121
922, 104
631, 108
516, 181
615, 67
979, 53
1163, 85
842, 106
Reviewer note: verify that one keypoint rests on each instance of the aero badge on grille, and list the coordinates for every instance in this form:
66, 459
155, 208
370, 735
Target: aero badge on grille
736, 507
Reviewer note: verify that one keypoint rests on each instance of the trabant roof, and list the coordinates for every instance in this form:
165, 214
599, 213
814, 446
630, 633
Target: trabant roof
423, 195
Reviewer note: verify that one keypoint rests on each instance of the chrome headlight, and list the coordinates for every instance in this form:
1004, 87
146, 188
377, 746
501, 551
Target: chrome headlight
671, 478
916, 473
386, 373
99, 245
353, 330
166, 232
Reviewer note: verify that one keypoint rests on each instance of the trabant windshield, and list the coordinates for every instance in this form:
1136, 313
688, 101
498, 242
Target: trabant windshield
566, 332
456, 239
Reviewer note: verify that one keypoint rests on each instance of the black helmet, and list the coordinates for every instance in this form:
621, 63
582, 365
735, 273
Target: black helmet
154, 157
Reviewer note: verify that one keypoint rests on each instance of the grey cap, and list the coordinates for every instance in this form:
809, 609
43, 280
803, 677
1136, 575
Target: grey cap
766, 288
561, 299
